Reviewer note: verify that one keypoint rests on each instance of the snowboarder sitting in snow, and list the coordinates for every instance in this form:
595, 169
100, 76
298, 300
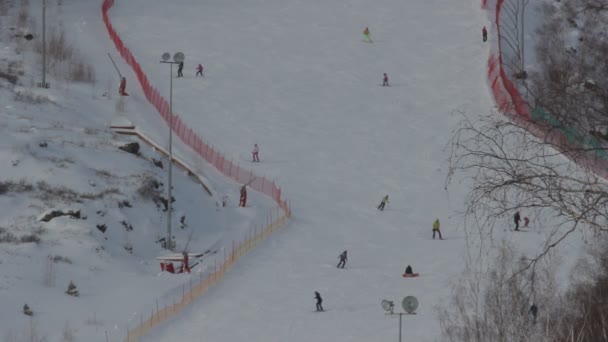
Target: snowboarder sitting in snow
199, 70
383, 203
256, 150
319, 301
516, 219
343, 259
436, 229
408, 270
385, 80
484, 34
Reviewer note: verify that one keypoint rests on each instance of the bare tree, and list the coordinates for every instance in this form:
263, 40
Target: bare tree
511, 170
492, 302
570, 82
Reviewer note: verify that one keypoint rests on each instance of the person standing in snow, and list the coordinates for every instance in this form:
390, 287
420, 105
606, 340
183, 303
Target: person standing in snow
186, 266
436, 229
180, 68
385, 81
526, 222
383, 202
319, 301
366, 35
243, 200
534, 311
199, 70
484, 34
343, 259
122, 87
255, 152
516, 219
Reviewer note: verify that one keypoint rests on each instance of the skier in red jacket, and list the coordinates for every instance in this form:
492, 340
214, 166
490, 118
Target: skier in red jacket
199, 70
385, 80
122, 87
186, 266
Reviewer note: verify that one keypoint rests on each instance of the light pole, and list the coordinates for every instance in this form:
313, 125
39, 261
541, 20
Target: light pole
178, 58
409, 304
43, 83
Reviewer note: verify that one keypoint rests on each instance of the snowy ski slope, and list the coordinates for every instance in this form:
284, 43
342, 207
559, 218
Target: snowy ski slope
295, 77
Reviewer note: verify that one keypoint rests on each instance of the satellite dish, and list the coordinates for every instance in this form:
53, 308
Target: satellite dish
387, 305
179, 57
166, 56
410, 304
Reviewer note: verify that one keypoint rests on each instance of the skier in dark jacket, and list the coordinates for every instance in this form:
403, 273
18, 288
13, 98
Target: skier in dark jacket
180, 68
383, 202
343, 259
484, 34
385, 80
516, 219
319, 301
534, 312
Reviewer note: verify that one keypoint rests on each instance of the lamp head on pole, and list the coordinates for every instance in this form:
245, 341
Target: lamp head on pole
179, 57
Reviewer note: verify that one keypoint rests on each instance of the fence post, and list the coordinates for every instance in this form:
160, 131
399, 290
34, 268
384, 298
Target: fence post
157, 312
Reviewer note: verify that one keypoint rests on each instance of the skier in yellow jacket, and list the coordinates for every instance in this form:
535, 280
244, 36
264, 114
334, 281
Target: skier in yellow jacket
436, 229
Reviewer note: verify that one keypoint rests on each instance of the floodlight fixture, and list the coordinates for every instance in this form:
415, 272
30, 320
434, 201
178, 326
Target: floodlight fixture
410, 304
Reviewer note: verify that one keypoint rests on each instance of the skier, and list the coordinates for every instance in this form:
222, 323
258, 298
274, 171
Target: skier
516, 219
383, 203
319, 301
534, 311
343, 259
484, 34
186, 267
526, 221
199, 70
408, 270
385, 80
243, 200
180, 68
122, 87
255, 152
436, 229
366, 35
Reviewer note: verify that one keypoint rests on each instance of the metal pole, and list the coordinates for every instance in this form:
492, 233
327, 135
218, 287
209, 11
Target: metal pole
400, 315
170, 245
523, 7
43, 44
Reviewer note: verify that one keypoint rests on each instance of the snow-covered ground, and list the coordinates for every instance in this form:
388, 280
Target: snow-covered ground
58, 153
295, 77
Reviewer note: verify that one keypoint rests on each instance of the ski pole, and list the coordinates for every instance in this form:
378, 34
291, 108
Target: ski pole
118, 71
